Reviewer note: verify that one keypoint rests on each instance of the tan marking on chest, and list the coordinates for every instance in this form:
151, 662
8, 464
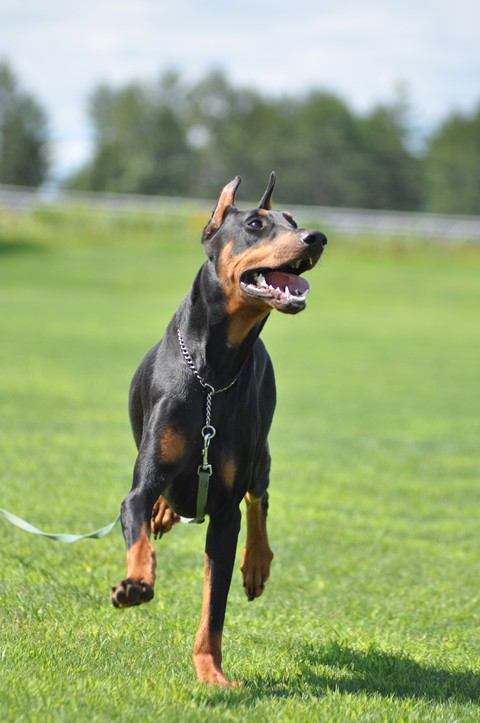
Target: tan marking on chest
229, 470
172, 445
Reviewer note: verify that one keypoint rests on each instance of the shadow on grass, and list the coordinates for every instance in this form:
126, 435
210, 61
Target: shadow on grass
338, 667
19, 247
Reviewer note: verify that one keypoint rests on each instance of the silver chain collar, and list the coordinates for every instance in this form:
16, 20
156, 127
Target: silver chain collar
192, 366
208, 432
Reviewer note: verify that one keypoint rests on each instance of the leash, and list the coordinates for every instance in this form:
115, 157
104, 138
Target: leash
204, 470
59, 537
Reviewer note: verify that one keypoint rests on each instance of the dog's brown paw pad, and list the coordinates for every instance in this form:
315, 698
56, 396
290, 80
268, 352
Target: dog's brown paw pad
128, 593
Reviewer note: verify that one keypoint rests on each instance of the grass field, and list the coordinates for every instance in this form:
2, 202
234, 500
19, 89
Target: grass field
372, 611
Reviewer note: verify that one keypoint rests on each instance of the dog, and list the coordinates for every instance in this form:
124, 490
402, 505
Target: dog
201, 404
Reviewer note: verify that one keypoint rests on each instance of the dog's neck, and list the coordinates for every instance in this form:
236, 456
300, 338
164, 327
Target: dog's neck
204, 323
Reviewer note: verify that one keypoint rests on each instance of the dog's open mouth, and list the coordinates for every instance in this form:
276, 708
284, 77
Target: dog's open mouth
282, 288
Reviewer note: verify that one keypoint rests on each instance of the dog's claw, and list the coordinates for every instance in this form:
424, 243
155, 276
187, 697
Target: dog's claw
163, 518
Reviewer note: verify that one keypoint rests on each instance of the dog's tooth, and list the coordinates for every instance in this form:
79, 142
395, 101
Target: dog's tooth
287, 291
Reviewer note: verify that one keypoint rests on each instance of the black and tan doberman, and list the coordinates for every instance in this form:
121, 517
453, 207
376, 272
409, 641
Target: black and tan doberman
201, 405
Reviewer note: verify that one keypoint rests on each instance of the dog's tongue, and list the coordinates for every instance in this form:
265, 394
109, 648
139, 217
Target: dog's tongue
279, 280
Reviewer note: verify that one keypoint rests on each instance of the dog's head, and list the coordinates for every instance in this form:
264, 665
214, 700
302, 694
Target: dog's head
260, 255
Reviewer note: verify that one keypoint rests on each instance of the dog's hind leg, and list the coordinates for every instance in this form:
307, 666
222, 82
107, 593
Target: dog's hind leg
257, 555
220, 551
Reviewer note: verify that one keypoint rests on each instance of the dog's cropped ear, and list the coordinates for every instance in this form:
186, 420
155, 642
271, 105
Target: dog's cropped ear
225, 200
266, 200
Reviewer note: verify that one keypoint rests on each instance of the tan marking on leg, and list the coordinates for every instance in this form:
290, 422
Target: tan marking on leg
229, 470
141, 561
172, 445
163, 518
137, 587
207, 651
257, 555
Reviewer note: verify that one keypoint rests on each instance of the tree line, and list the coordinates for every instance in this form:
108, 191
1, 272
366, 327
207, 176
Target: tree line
169, 137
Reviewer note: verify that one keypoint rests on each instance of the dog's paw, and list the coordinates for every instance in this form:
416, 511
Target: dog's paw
163, 518
255, 569
128, 593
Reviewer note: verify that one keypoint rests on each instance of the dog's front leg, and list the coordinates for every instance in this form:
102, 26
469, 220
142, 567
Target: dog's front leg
137, 587
220, 551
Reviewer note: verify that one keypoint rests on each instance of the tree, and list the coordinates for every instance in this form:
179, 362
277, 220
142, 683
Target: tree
453, 166
140, 140
234, 131
175, 139
390, 175
23, 134
321, 148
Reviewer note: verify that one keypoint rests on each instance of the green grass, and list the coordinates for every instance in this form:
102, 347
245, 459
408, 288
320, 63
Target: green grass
372, 609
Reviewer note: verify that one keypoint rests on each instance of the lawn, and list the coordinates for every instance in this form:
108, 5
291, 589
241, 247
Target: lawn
372, 609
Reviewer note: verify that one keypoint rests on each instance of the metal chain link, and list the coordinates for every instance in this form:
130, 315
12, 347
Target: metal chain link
208, 431
192, 366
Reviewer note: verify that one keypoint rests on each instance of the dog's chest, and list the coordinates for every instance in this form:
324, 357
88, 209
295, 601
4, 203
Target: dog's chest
232, 451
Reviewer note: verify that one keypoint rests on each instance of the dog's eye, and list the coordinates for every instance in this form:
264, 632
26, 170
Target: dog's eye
255, 223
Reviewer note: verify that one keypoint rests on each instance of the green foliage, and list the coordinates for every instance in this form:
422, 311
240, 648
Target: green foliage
141, 143
371, 612
23, 134
453, 166
171, 138
177, 140
394, 175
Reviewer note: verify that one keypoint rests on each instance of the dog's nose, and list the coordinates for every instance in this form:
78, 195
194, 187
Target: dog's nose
313, 237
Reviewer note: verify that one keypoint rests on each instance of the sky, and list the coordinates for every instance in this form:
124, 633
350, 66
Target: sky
362, 51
